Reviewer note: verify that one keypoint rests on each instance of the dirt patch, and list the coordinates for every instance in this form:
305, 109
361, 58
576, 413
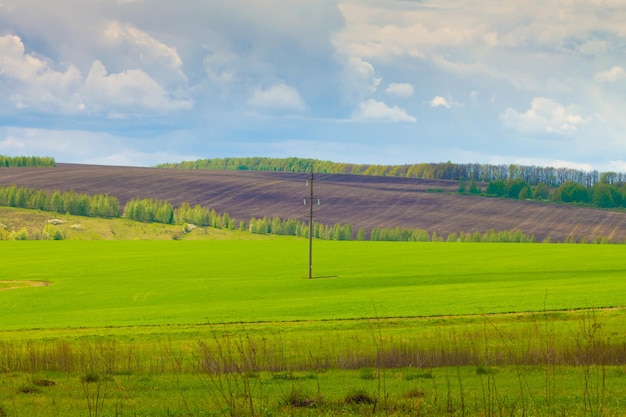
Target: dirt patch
14, 285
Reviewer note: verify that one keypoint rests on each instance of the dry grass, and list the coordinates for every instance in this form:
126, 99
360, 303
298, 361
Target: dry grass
90, 228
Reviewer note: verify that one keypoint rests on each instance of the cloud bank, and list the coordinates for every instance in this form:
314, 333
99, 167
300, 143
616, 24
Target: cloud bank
437, 80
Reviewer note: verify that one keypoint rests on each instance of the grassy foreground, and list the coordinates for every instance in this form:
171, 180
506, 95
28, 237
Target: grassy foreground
195, 328
125, 283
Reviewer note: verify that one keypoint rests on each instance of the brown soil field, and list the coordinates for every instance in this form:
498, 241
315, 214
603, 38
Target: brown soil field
362, 201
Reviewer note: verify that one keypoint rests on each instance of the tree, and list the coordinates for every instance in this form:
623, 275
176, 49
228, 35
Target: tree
56, 202
515, 187
604, 195
525, 193
462, 186
571, 192
497, 188
474, 188
541, 192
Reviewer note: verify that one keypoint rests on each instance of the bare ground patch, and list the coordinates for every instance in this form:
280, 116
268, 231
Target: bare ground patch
14, 285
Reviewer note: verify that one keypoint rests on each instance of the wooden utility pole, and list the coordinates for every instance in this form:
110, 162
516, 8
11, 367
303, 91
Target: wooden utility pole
311, 226
310, 185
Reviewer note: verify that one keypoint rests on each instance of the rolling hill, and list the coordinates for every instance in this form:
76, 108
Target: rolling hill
363, 201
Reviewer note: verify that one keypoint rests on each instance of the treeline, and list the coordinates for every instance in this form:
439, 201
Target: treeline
67, 202
419, 235
531, 174
293, 227
26, 161
159, 211
150, 210
602, 194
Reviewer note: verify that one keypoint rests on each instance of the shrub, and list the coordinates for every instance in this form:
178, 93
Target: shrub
299, 399
484, 370
29, 389
89, 378
52, 233
368, 373
359, 396
420, 375
415, 393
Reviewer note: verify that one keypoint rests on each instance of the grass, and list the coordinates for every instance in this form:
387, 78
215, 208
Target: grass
233, 327
125, 283
92, 228
450, 392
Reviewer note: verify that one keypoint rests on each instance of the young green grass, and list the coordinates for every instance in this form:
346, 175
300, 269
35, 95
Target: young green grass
134, 283
132, 327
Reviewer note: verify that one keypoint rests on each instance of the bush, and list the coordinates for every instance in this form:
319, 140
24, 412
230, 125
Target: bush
52, 233
90, 378
359, 396
368, 373
299, 399
420, 375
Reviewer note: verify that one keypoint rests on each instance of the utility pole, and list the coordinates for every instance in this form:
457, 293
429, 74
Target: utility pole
310, 185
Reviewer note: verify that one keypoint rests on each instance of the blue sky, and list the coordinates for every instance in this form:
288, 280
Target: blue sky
139, 82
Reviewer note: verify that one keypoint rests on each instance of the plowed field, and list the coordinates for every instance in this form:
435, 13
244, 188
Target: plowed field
360, 200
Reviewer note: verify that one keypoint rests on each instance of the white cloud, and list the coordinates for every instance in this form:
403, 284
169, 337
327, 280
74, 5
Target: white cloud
150, 47
13, 140
615, 166
127, 93
375, 30
360, 77
277, 97
14, 63
593, 47
439, 101
87, 147
373, 110
616, 73
323, 61
40, 87
129, 157
545, 115
540, 162
33, 84
403, 90
222, 67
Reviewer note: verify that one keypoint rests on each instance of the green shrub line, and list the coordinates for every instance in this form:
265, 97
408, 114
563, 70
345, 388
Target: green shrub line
602, 194
159, 211
26, 162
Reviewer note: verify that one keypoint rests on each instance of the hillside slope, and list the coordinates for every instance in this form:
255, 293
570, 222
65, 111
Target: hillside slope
363, 201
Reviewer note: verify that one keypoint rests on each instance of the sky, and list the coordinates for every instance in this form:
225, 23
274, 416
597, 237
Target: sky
141, 82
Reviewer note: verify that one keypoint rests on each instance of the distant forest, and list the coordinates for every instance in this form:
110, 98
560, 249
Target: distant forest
532, 175
26, 161
562, 185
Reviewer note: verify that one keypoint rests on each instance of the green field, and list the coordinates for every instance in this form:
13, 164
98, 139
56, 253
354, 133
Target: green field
101, 284
234, 327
